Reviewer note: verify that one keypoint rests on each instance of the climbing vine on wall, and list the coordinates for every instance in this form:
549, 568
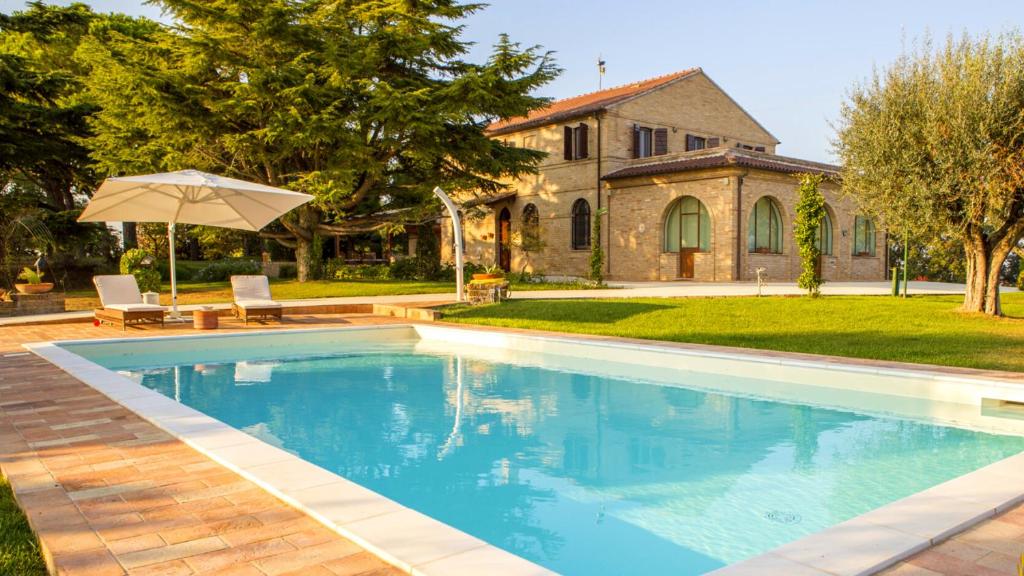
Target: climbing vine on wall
596, 251
810, 210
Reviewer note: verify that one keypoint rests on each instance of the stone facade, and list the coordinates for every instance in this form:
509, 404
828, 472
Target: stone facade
26, 304
727, 180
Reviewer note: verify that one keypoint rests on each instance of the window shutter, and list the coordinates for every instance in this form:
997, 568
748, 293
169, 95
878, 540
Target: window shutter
690, 145
568, 142
661, 141
713, 142
581, 144
636, 140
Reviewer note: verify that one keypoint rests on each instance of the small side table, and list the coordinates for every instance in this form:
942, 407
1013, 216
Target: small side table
204, 319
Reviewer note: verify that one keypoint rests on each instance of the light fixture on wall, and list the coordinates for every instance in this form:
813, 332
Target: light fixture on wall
844, 233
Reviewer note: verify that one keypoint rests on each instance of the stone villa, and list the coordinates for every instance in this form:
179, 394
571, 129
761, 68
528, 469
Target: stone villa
689, 184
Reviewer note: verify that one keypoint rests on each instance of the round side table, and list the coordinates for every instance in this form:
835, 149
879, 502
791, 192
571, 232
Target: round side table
204, 319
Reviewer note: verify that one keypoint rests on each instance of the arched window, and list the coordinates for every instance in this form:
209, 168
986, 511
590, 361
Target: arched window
824, 240
764, 231
580, 225
863, 236
531, 225
687, 225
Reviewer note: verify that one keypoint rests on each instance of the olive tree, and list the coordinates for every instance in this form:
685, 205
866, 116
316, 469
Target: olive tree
933, 145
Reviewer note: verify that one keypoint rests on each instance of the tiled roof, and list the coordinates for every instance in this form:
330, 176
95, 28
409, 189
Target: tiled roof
725, 157
584, 104
487, 200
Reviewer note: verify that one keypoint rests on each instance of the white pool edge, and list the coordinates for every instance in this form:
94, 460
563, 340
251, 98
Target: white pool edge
865, 544
401, 536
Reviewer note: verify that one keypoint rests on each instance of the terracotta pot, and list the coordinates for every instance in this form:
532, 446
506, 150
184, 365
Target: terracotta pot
41, 288
487, 276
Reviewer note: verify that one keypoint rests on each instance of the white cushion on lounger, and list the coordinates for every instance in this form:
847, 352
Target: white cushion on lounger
250, 288
135, 307
257, 304
117, 289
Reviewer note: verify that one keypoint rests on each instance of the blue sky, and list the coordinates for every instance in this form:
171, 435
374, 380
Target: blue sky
788, 62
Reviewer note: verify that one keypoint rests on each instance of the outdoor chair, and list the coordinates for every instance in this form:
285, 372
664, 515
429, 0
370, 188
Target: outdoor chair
252, 298
122, 302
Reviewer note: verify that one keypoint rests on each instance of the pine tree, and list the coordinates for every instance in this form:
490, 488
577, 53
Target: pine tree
366, 104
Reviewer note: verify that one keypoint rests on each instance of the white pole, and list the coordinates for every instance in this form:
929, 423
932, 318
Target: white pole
174, 278
457, 230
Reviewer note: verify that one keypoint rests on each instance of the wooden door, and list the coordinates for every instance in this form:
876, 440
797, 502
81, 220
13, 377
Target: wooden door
686, 258
505, 240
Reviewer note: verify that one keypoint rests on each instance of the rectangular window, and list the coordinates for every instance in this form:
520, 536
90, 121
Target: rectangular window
576, 142
644, 141
695, 142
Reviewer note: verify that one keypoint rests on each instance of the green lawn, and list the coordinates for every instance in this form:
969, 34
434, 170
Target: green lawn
218, 292
19, 552
922, 329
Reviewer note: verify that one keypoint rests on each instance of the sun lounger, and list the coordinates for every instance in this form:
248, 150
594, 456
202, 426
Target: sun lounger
122, 302
252, 298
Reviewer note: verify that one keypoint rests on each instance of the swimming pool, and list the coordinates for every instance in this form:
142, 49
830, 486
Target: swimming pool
585, 458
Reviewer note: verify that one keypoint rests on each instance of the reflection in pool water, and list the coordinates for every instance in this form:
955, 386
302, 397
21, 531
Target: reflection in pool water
581, 473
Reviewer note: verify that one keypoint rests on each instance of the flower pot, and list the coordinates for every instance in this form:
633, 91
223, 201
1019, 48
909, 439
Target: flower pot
487, 276
41, 288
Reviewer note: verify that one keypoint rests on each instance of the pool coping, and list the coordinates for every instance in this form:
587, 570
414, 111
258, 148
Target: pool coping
401, 536
424, 546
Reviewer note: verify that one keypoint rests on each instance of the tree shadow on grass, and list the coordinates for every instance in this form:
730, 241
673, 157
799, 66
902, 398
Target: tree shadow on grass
569, 311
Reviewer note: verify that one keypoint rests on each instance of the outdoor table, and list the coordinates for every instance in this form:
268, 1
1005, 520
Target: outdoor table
204, 319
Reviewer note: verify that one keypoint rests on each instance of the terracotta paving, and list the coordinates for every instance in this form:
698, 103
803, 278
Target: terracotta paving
108, 493
992, 548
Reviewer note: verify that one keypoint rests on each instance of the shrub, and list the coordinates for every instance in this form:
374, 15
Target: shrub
1020, 280
596, 251
184, 270
147, 277
407, 269
287, 271
223, 270
362, 272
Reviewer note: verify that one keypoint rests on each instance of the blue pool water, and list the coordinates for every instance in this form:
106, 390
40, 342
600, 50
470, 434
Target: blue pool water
582, 473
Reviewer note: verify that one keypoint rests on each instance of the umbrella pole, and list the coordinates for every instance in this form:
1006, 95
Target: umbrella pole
174, 279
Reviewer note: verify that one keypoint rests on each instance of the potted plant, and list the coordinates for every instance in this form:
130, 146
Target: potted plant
33, 282
492, 272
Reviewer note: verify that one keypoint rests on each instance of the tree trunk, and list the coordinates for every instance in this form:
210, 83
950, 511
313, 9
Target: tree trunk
302, 250
304, 229
984, 264
129, 235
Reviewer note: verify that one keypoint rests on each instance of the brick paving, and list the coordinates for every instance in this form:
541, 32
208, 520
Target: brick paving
108, 493
992, 548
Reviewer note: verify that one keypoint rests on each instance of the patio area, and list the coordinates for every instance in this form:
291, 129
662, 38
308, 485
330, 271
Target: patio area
109, 493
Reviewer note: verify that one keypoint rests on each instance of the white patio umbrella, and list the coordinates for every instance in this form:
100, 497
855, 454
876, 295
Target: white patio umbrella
189, 197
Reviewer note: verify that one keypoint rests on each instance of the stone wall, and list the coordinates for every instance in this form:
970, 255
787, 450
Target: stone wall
693, 105
637, 222
634, 227
27, 304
